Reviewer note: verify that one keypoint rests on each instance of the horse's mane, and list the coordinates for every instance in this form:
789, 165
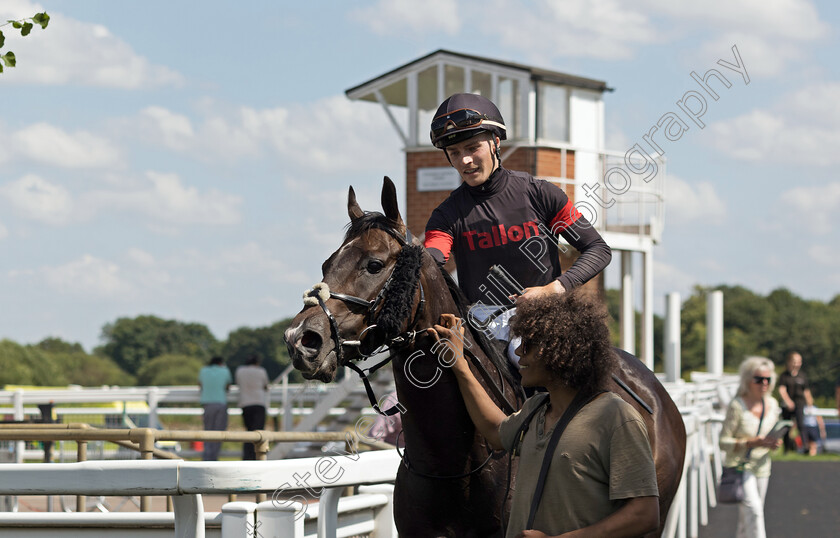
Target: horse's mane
372, 220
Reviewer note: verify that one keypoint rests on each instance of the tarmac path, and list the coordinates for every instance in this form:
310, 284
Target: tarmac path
803, 500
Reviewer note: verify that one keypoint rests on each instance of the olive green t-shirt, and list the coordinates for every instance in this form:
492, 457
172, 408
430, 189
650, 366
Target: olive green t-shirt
602, 459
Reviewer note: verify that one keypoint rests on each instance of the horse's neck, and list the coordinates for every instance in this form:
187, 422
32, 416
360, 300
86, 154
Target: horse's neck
435, 421
436, 426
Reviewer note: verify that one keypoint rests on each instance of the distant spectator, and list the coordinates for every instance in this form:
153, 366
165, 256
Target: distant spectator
214, 380
252, 380
813, 432
795, 394
750, 416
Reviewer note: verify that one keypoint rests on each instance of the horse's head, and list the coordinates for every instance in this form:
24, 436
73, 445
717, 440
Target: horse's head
367, 295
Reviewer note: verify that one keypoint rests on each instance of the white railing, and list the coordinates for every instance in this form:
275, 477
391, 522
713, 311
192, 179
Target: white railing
368, 513
702, 403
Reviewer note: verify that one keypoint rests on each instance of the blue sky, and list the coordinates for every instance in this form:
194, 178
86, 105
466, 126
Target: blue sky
191, 159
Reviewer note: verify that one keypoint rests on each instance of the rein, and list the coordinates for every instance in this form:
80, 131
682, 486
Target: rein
320, 293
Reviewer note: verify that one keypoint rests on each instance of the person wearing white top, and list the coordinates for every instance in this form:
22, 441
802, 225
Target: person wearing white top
750, 416
252, 380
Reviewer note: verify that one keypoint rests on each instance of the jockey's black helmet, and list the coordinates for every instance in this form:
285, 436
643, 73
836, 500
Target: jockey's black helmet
463, 116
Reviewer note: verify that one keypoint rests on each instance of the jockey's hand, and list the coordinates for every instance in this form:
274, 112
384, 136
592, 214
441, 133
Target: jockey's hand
538, 291
449, 336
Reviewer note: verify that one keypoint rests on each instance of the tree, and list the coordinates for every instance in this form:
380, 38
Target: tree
27, 365
57, 345
267, 342
613, 298
770, 326
131, 342
79, 368
41, 19
170, 369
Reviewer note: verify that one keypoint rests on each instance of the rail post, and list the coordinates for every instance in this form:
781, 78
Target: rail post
145, 439
81, 455
279, 519
17, 403
238, 520
261, 449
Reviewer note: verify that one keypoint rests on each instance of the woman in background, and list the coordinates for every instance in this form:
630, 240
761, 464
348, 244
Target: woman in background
746, 443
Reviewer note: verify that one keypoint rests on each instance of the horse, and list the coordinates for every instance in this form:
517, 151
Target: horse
380, 288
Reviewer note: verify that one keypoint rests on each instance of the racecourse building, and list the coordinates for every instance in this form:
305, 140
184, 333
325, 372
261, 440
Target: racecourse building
555, 125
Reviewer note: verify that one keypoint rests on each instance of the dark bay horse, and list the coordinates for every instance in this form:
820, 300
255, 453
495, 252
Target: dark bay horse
381, 288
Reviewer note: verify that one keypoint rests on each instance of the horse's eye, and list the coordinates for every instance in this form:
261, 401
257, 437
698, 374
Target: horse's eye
374, 266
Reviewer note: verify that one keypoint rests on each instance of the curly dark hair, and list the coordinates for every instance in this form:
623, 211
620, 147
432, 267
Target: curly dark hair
571, 336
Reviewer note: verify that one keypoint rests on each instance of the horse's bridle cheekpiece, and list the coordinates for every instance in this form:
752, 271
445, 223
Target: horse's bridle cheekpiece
374, 338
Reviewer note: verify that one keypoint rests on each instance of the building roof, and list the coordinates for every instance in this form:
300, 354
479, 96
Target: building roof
535, 73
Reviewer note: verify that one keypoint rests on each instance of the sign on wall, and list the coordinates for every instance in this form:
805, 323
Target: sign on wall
442, 178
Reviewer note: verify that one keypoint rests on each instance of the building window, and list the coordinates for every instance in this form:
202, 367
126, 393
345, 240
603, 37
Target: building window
508, 102
482, 84
427, 101
553, 112
453, 80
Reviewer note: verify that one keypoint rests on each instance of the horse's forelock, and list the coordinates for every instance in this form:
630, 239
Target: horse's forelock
369, 221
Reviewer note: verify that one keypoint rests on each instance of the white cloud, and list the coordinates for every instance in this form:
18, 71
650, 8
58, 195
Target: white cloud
772, 32
166, 200
828, 255
396, 17
604, 29
803, 128
175, 130
37, 199
328, 136
163, 198
72, 52
670, 279
791, 19
250, 259
88, 276
692, 201
139, 257
815, 208
46, 143
771, 36
760, 56
4, 232
91, 276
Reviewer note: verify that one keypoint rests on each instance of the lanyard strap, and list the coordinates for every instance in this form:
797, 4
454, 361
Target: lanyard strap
760, 420
579, 402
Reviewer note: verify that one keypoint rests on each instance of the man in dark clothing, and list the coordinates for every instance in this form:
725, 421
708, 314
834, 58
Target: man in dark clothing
500, 217
795, 394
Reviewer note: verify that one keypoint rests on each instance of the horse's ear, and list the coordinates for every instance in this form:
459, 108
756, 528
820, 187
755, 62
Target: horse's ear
389, 201
353, 208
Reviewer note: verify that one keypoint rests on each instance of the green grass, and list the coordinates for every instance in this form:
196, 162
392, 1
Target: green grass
779, 455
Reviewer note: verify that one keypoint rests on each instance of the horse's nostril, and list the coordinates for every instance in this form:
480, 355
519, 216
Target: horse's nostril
311, 340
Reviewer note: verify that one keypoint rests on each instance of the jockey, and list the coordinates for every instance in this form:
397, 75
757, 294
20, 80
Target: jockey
503, 218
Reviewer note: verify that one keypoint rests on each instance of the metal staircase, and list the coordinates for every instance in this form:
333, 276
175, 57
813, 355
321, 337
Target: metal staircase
348, 394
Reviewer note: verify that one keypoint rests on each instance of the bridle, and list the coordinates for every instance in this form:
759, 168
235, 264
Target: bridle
321, 292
